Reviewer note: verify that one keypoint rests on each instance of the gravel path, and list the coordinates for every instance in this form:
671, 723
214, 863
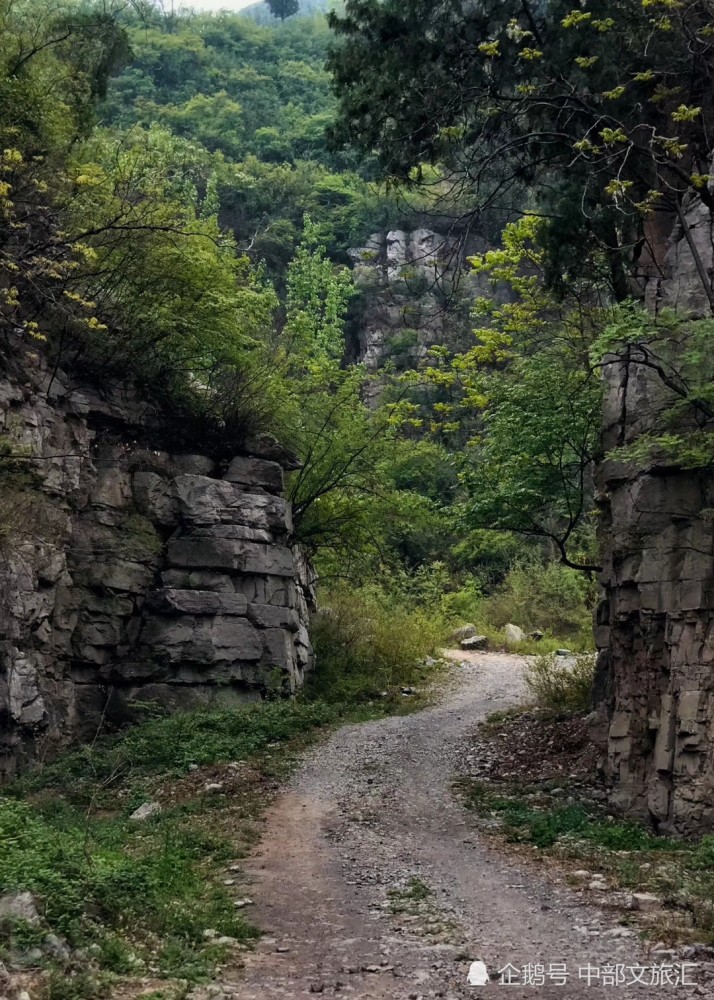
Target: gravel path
370, 812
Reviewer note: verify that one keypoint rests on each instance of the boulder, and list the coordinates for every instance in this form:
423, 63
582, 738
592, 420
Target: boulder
396, 253
120, 574
646, 901
19, 906
513, 633
145, 811
474, 642
154, 497
56, 947
464, 632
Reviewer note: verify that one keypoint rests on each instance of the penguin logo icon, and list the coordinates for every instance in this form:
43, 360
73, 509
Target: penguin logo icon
478, 974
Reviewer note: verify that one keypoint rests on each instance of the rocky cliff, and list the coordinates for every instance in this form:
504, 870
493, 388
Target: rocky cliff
132, 572
655, 625
416, 289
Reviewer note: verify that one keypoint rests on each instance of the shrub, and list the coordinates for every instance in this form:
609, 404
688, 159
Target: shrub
81, 872
562, 684
703, 858
369, 640
550, 597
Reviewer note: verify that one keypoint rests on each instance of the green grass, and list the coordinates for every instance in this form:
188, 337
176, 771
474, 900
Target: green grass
416, 889
679, 872
141, 895
543, 827
136, 898
172, 744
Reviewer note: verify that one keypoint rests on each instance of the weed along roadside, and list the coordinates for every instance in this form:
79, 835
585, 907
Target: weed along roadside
121, 862
124, 852
529, 778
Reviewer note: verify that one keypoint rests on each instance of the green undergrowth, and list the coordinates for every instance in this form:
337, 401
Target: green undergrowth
579, 834
562, 685
371, 643
582, 643
543, 825
173, 743
537, 597
135, 899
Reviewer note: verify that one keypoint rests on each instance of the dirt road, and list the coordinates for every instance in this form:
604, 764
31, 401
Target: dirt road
370, 882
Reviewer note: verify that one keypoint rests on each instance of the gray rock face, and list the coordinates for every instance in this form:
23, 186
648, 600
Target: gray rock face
136, 573
654, 717
398, 272
415, 287
254, 472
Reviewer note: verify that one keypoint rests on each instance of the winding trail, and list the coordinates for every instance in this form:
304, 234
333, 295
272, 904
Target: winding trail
373, 808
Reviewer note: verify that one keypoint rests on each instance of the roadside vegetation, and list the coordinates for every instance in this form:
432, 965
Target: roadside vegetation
661, 886
532, 782
118, 899
114, 899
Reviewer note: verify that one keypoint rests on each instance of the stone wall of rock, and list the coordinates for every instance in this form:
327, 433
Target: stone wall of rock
655, 624
130, 572
401, 274
416, 287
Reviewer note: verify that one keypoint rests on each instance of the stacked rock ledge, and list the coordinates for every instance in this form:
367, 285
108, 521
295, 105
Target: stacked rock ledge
137, 574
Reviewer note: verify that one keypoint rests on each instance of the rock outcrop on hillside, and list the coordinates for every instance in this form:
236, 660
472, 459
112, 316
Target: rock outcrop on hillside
655, 624
417, 289
132, 572
403, 277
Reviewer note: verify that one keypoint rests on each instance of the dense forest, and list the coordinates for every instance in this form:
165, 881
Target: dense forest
180, 196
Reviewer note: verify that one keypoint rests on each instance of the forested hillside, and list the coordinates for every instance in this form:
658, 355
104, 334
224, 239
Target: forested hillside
260, 99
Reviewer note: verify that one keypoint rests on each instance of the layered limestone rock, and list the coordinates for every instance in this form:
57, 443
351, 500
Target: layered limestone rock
655, 625
402, 278
417, 289
134, 573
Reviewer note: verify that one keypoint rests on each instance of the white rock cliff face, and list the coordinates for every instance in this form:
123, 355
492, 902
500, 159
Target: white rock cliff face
407, 281
418, 288
135, 573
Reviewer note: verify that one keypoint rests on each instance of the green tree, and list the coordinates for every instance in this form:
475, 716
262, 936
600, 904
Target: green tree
55, 59
531, 467
317, 297
283, 8
525, 399
605, 108
344, 497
